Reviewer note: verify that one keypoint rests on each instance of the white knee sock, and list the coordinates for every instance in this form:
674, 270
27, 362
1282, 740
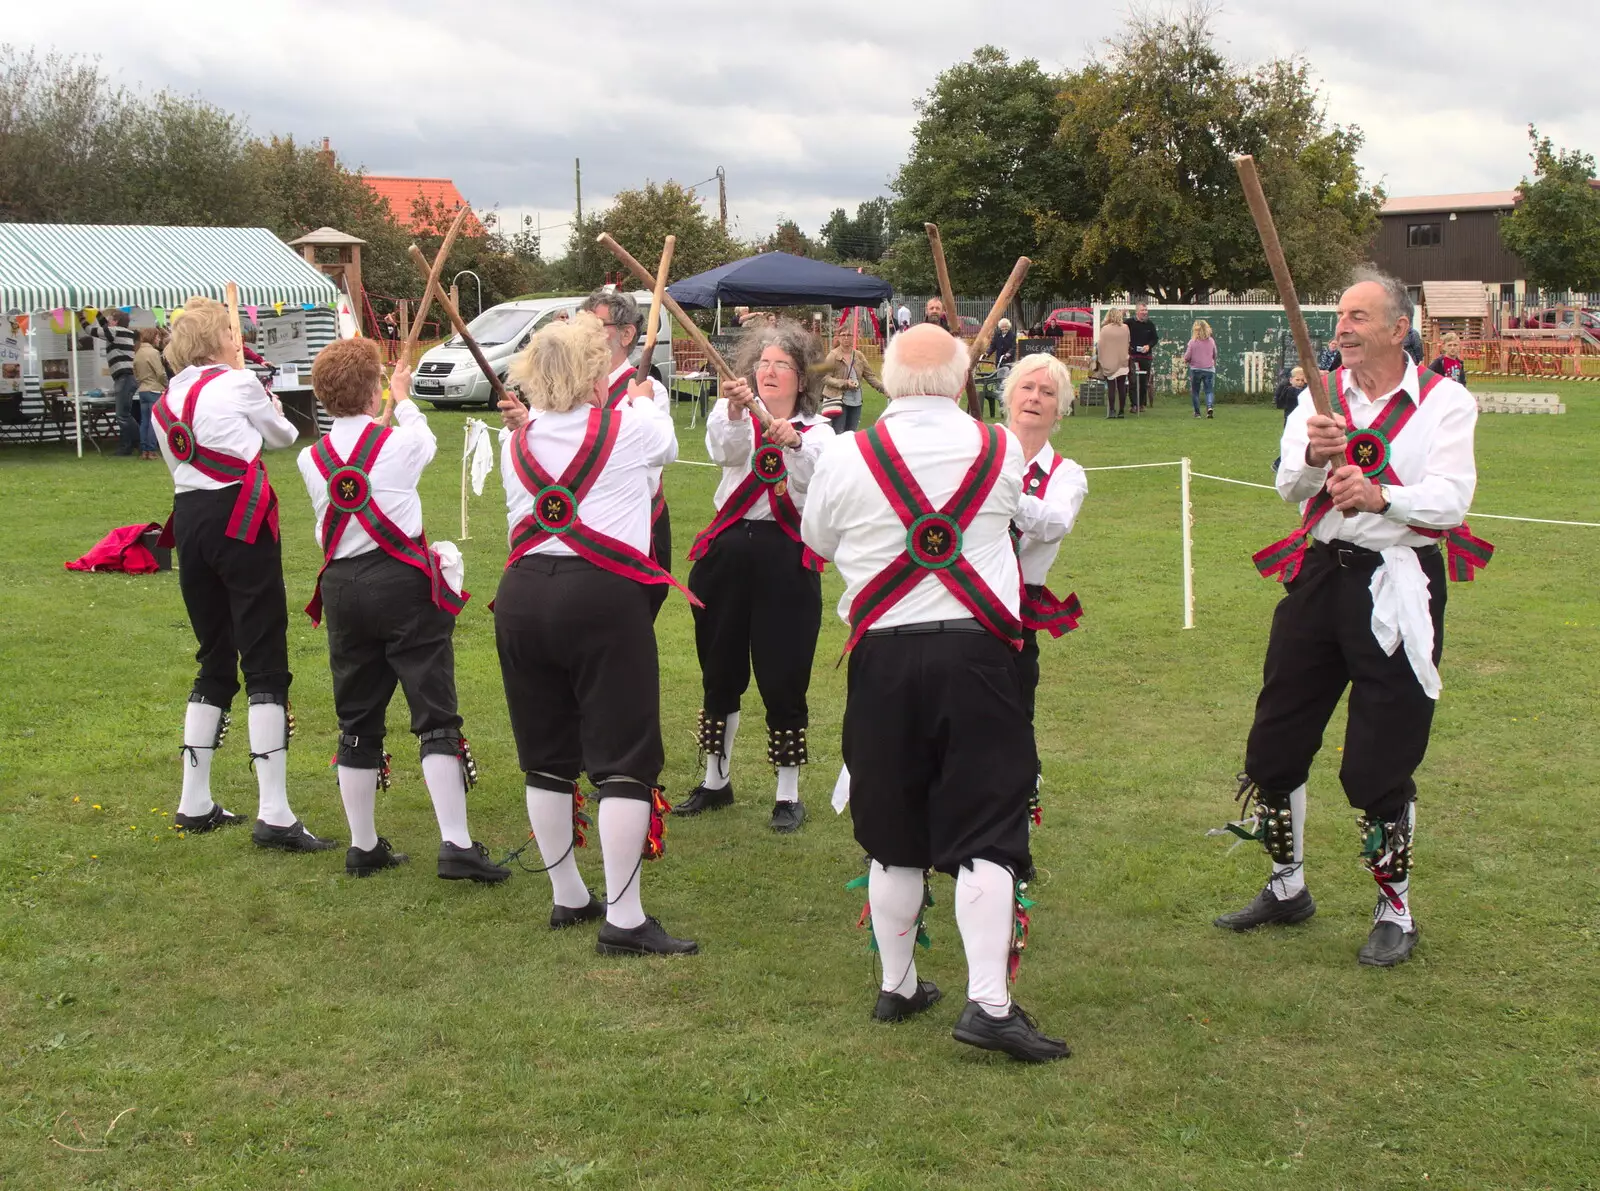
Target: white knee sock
1386, 911
718, 766
269, 739
985, 903
448, 789
359, 790
550, 816
624, 823
895, 896
788, 783
1289, 880
200, 724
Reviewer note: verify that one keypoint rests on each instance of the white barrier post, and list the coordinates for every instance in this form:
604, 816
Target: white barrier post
465, 460
1188, 548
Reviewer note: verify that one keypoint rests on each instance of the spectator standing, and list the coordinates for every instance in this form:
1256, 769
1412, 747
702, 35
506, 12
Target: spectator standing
1328, 359
1201, 356
934, 312
1287, 397
120, 341
1450, 364
1142, 340
1003, 347
150, 380
902, 318
842, 372
1412, 346
1113, 356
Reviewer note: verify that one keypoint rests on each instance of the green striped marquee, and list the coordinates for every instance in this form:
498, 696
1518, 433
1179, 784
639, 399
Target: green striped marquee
51, 266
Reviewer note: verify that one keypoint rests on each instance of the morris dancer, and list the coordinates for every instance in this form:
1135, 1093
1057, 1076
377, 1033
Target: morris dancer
1363, 606
391, 608
213, 421
916, 512
572, 624
1053, 488
761, 586
624, 322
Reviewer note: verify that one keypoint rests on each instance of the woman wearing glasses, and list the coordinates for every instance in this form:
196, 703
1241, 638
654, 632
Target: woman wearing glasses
762, 589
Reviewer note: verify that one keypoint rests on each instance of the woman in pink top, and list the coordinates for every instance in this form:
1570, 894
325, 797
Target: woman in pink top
1201, 356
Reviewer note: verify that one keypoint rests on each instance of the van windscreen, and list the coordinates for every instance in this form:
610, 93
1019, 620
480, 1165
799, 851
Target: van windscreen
494, 327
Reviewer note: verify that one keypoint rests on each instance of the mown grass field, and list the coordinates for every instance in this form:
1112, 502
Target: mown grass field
253, 1020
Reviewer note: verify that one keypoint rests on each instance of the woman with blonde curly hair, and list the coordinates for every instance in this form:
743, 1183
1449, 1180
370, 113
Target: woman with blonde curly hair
572, 623
761, 586
213, 421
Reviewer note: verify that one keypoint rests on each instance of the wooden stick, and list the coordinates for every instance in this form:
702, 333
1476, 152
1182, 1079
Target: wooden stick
454, 316
1007, 294
1267, 230
232, 293
410, 344
653, 326
687, 323
948, 297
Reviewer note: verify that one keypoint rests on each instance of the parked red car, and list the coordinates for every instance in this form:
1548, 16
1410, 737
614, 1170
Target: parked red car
1566, 316
1067, 321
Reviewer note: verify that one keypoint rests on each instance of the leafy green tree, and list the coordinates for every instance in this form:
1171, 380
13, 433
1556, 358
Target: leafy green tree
863, 238
1555, 227
789, 238
640, 220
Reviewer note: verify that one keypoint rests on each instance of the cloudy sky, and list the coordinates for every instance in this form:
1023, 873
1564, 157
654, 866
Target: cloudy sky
807, 106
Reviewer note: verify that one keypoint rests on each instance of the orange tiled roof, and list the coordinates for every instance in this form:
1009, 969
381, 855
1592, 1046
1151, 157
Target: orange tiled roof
400, 193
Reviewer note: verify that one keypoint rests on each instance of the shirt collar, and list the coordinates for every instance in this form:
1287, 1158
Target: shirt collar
1409, 384
924, 404
1043, 460
359, 420
616, 373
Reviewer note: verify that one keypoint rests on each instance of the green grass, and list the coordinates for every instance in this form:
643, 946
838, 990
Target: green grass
270, 1023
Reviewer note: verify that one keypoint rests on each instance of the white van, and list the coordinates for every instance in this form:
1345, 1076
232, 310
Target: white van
447, 377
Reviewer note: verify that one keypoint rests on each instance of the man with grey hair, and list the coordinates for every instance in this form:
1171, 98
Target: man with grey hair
619, 313
1381, 485
916, 513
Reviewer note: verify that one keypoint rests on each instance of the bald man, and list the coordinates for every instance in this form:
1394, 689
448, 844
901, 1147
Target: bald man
916, 512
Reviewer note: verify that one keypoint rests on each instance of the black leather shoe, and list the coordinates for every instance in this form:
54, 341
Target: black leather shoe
894, 1007
214, 818
363, 862
787, 817
1016, 1034
702, 799
562, 917
469, 864
645, 939
1387, 945
293, 838
1268, 909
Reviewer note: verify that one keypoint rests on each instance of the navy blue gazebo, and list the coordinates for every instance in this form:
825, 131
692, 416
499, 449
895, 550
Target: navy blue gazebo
779, 279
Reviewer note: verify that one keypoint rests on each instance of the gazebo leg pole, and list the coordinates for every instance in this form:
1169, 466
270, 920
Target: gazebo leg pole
77, 394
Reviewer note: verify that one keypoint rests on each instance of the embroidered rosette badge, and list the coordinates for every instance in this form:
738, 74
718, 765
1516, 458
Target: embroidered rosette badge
555, 509
770, 468
349, 490
934, 541
1368, 450
180, 441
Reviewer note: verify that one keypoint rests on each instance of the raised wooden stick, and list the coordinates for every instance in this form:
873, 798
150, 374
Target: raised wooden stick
431, 287
1267, 230
653, 327
1008, 293
232, 294
449, 308
948, 297
687, 323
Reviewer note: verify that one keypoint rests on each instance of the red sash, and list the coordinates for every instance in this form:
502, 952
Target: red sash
555, 506
350, 498
769, 477
257, 504
933, 538
1041, 607
1370, 450
658, 499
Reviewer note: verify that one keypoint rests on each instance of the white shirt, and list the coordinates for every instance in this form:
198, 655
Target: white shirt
618, 503
409, 448
234, 415
1045, 520
663, 403
1432, 456
848, 520
732, 445
903, 317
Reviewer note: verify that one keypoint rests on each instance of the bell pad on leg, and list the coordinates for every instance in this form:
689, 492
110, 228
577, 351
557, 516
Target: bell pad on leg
448, 742
712, 735
1271, 822
1386, 847
786, 746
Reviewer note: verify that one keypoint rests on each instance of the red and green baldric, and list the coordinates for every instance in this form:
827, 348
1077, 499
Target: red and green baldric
933, 537
350, 499
1042, 609
769, 477
658, 498
555, 506
257, 504
1371, 451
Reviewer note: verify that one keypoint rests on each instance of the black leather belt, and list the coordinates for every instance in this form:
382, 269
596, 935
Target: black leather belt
1348, 554
964, 625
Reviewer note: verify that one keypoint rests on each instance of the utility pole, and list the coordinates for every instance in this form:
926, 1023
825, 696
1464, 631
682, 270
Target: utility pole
722, 196
577, 169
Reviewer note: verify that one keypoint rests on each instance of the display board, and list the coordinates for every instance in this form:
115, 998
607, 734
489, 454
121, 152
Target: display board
1238, 330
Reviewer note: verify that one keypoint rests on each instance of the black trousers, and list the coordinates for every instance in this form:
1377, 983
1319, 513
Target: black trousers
661, 552
1322, 642
578, 659
1140, 374
234, 594
939, 749
385, 630
1116, 394
763, 611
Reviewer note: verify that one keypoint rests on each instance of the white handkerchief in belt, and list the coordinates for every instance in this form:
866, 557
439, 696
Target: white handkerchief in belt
1400, 614
841, 791
481, 451
452, 567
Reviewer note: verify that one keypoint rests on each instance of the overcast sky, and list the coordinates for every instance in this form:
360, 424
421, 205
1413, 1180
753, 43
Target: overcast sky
807, 106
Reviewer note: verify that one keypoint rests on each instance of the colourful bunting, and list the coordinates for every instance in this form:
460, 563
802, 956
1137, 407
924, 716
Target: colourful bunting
160, 315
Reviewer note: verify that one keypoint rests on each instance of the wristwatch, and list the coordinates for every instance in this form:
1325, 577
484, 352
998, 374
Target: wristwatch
1383, 491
